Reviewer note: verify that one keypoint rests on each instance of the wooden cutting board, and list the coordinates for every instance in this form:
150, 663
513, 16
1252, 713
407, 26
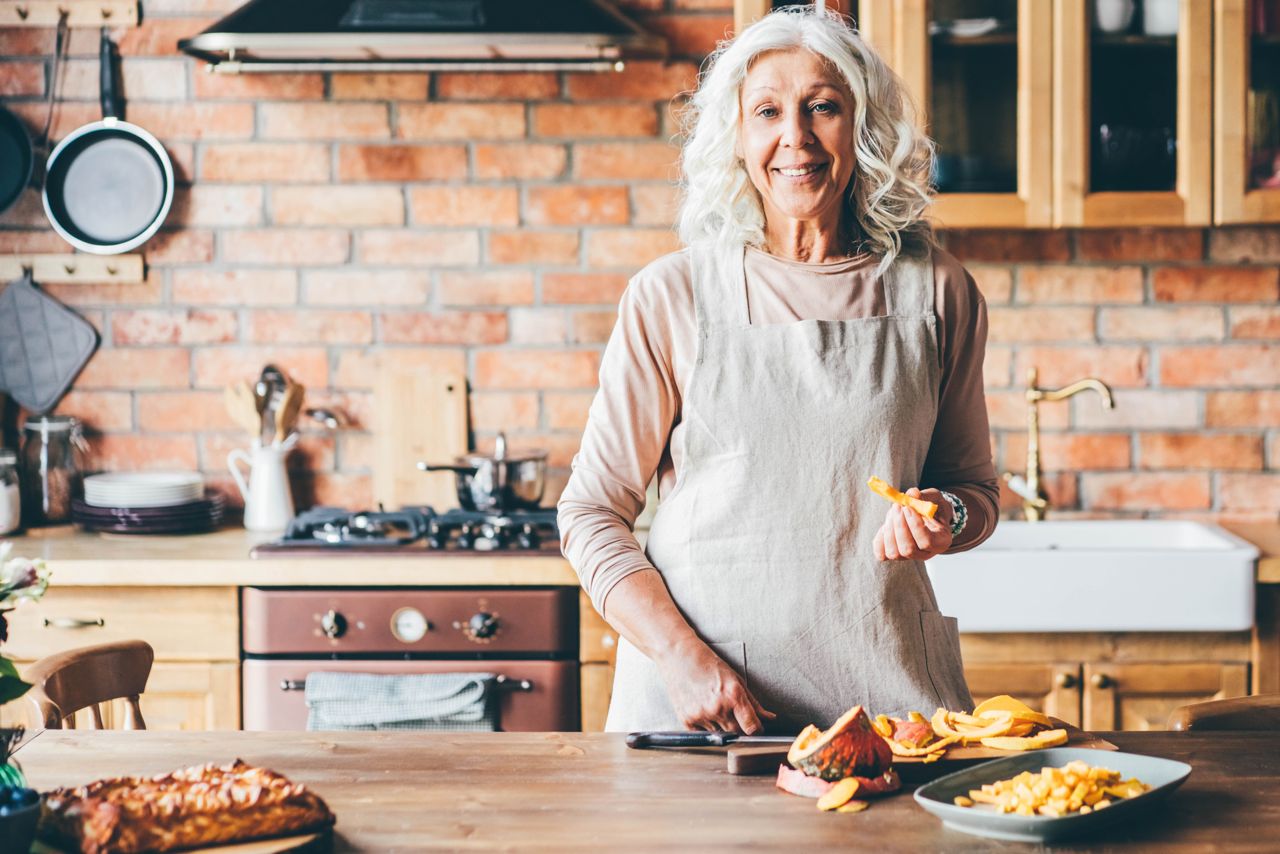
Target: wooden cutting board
306, 843
763, 760
421, 414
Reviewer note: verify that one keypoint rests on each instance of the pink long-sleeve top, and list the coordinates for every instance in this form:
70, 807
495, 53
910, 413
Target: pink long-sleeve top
634, 426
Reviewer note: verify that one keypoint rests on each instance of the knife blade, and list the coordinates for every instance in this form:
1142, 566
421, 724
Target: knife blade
644, 740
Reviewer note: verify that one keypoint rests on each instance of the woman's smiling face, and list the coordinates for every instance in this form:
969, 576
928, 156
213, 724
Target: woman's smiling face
796, 136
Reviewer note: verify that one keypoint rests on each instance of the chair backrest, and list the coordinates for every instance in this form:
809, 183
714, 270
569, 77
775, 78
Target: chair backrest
1260, 712
66, 682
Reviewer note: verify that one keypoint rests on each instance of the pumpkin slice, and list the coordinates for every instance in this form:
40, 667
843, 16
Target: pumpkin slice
1005, 703
900, 749
1048, 738
799, 783
882, 725
943, 725
884, 490
841, 793
854, 806
850, 748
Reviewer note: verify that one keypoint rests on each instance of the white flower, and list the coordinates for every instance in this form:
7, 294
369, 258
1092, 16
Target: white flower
20, 577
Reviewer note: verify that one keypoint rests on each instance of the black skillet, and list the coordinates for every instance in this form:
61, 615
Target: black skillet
109, 184
16, 159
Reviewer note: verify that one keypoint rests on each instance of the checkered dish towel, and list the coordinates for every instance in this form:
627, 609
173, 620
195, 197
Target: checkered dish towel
428, 701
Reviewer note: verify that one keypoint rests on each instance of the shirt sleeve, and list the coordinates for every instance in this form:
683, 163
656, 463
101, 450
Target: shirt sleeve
627, 431
959, 458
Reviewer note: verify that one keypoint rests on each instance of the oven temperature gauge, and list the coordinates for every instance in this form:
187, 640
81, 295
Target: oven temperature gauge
408, 625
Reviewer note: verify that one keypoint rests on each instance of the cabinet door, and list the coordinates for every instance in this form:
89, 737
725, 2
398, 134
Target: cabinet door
1246, 105
193, 696
1141, 696
1052, 688
986, 99
1131, 98
746, 11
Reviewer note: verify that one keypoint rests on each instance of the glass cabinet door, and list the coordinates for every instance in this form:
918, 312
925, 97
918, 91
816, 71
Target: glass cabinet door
1132, 93
979, 71
746, 11
1247, 111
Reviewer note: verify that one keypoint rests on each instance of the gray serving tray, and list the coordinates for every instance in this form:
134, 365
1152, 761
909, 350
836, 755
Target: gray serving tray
1162, 775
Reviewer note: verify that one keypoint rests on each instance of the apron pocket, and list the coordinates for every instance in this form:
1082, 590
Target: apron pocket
942, 658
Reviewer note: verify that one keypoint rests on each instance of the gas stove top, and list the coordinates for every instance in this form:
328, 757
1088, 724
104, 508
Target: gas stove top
413, 530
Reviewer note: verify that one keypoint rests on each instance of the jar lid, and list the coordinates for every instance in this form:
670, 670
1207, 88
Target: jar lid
50, 423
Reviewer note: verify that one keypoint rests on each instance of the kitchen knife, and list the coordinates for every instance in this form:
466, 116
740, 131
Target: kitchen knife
641, 740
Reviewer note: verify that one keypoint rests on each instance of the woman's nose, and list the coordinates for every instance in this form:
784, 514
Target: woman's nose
796, 131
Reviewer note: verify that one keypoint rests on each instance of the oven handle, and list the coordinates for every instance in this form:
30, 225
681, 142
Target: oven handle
501, 682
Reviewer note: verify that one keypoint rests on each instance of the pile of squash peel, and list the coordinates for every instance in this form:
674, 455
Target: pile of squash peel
848, 763
1001, 723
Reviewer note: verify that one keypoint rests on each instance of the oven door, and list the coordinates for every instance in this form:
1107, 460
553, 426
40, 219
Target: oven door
274, 698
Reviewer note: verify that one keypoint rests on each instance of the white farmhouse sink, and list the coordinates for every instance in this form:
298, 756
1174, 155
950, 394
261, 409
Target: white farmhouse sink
1113, 576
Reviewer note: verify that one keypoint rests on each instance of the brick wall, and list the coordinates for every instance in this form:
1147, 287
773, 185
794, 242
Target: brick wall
487, 224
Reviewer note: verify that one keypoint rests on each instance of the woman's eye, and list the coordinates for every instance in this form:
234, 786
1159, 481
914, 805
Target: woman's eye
822, 107
766, 112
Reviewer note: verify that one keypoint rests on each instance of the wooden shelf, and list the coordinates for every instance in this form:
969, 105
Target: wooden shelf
69, 268
80, 13
1126, 40
991, 40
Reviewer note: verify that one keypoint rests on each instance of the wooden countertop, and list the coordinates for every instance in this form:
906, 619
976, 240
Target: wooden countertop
222, 558
1266, 536
588, 792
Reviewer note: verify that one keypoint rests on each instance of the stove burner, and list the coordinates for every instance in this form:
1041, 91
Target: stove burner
453, 530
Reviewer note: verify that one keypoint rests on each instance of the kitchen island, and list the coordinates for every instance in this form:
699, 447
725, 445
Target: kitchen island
587, 792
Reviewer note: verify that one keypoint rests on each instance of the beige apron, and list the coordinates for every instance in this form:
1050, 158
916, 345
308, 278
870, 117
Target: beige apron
766, 540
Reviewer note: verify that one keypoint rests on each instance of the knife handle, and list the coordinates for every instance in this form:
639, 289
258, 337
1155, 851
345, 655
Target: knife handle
640, 740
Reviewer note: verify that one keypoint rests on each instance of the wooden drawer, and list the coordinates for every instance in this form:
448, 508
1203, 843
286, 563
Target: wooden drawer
598, 642
180, 623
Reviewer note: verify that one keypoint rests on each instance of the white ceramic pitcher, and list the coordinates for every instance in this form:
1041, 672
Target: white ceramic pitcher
268, 504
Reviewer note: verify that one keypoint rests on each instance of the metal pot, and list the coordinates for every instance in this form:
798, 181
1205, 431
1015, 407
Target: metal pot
498, 483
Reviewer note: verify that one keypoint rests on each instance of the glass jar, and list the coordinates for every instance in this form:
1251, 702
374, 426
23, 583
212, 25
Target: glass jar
10, 494
50, 471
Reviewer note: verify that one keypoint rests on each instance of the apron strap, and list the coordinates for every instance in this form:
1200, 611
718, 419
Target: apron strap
719, 287
908, 284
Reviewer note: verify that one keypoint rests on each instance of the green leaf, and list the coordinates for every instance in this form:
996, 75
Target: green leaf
11, 688
7, 667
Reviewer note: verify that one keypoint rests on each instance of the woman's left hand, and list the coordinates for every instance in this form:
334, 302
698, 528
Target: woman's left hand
906, 535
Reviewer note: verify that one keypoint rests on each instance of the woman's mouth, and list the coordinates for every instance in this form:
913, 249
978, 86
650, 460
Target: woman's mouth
800, 173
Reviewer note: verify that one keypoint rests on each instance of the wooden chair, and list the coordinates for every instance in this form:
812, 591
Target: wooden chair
1260, 712
66, 682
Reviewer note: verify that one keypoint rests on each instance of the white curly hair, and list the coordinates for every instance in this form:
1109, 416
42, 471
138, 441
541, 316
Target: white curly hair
889, 193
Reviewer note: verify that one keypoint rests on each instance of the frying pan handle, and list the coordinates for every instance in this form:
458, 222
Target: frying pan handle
108, 87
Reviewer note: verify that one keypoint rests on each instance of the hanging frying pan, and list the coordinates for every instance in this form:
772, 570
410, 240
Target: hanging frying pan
108, 185
15, 159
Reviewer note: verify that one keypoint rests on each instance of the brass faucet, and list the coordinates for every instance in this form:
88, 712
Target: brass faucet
1034, 500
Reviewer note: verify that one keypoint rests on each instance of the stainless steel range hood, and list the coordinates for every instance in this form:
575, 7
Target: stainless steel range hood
412, 35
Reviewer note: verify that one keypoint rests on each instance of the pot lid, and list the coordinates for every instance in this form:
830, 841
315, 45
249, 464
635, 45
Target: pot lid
501, 454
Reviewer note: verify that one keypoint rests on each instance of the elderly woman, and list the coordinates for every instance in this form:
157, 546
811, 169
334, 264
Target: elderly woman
811, 335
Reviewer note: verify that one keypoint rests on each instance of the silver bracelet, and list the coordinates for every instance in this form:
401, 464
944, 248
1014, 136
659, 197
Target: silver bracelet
959, 513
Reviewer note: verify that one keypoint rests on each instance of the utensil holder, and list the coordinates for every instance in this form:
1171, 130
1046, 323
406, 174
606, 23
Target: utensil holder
268, 503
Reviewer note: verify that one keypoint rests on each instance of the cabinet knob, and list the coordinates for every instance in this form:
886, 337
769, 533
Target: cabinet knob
1066, 680
333, 624
1102, 680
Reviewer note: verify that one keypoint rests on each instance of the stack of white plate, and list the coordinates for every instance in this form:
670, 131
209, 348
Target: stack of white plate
143, 489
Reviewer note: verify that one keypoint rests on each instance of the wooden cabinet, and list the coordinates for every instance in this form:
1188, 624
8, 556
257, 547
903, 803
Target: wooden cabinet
985, 98
598, 650
1246, 106
195, 631
1141, 695
1052, 688
1132, 120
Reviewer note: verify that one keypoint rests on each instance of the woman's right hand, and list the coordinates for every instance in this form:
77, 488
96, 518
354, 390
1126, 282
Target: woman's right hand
706, 692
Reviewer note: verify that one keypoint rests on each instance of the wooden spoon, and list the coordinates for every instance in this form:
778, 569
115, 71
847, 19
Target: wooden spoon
290, 406
242, 407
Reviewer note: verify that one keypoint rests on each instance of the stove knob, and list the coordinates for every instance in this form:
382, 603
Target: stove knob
483, 625
527, 538
333, 624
